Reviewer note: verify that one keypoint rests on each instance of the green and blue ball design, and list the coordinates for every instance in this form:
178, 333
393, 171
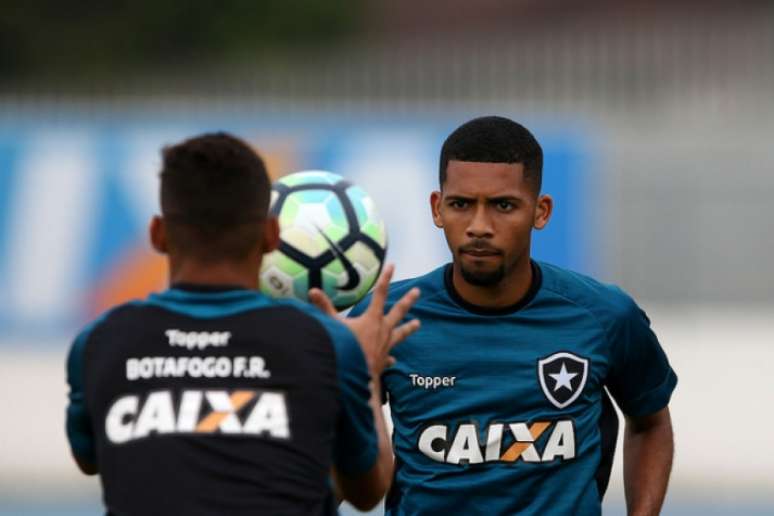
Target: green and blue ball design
331, 237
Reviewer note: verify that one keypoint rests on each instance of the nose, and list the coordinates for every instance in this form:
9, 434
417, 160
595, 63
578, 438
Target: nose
480, 225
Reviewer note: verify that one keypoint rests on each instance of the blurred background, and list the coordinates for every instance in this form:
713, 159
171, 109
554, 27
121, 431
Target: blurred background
656, 119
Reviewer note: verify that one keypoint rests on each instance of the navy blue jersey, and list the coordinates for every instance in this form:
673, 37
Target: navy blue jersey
505, 411
219, 401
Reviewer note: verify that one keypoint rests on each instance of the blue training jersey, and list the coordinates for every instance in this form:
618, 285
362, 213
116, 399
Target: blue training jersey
505, 411
216, 400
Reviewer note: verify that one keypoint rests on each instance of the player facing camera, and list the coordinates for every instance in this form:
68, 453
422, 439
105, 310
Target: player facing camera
489, 202
503, 400
211, 383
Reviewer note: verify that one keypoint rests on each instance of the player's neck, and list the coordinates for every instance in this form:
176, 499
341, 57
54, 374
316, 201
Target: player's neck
237, 274
508, 292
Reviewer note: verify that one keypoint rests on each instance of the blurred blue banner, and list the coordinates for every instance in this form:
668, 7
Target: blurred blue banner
75, 200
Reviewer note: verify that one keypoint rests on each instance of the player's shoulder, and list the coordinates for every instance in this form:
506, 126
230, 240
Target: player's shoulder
346, 349
341, 337
102, 322
109, 317
157, 307
323, 329
428, 284
605, 300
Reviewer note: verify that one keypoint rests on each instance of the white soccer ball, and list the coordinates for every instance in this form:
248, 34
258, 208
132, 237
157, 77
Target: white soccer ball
331, 237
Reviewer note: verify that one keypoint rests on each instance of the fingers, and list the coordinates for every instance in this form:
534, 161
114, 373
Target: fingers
379, 296
318, 298
404, 330
401, 308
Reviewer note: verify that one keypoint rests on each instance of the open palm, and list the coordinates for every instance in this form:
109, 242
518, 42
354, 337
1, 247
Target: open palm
376, 331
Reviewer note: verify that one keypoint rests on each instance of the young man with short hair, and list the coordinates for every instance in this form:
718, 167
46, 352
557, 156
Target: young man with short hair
499, 403
210, 398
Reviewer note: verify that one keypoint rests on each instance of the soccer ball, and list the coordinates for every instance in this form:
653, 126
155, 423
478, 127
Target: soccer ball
331, 237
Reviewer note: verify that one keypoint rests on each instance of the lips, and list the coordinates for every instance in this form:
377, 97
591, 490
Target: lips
479, 252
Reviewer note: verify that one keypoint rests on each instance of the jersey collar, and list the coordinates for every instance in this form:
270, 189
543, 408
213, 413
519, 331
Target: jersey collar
197, 287
537, 280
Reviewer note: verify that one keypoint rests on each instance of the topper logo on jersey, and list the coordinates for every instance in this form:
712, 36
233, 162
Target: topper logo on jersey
197, 339
562, 377
131, 418
504, 442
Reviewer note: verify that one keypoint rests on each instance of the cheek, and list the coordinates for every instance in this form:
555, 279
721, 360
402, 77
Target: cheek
451, 221
524, 221
454, 229
515, 230
452, 232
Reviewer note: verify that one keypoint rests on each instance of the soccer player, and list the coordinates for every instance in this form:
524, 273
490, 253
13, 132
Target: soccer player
210, 398
499, 402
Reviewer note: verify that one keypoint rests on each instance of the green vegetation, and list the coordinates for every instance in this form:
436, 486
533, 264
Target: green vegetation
89, 39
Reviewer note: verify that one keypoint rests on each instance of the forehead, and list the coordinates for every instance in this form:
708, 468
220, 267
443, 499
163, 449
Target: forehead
489, 179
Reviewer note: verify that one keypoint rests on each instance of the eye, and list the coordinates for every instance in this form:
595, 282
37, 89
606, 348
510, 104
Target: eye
458, 203
505, 205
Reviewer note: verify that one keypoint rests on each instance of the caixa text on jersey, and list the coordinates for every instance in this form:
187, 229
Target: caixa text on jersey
503, 442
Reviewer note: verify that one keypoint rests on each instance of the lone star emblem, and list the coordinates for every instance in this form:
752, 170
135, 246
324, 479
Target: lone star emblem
562, 377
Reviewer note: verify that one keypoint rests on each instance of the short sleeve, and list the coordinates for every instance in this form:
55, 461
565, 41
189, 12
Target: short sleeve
78, 425
356, 447
641, 379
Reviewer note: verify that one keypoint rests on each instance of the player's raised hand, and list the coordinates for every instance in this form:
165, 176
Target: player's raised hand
376, 331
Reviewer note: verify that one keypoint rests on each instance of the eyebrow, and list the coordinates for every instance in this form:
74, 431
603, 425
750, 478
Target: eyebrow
509, 198
499, 198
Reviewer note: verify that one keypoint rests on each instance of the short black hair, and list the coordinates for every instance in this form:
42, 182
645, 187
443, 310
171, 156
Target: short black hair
494, 139
214, 196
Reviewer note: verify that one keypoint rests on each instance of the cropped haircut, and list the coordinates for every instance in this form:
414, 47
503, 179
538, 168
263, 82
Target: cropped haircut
214, 197
494, 139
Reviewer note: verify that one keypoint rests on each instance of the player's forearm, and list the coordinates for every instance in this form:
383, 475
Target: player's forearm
386, 460
365, 491
648, 451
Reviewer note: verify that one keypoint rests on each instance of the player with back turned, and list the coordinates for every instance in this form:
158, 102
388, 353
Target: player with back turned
499, 402
210, 398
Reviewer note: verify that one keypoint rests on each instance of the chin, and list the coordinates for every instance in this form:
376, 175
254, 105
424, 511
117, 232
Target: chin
482, 277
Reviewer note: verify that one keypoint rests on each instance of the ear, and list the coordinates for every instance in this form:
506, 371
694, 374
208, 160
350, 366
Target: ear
158, 234
435, 207
543, 210
271, 235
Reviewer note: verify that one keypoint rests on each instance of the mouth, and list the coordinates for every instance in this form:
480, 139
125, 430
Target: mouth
479, 252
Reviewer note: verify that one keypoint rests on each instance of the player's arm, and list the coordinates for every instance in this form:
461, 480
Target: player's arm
648, 451
78, 424
377, 333
86, 466
642, 382
365, 490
